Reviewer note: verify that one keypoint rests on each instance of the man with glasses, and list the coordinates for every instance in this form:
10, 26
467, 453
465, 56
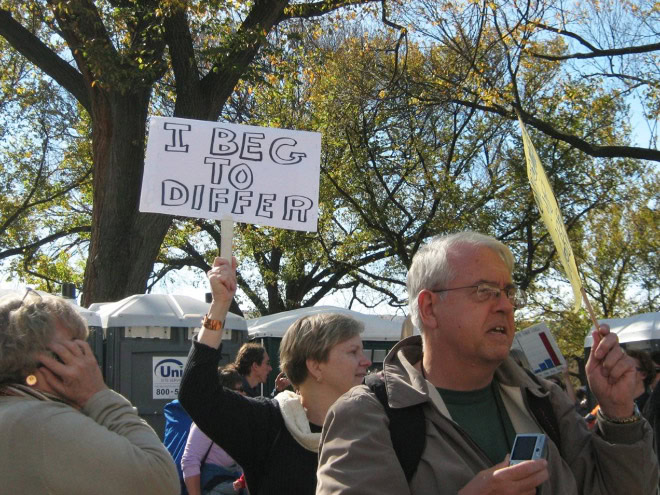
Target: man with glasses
475, 398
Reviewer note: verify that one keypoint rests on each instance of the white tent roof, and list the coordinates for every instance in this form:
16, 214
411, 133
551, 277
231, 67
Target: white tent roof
164, 310
92, 317
641, 327
375, 327
7, 292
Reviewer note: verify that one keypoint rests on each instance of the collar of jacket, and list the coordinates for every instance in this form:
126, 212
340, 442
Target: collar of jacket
406, 386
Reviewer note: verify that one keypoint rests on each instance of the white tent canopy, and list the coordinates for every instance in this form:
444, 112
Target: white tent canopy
162, 310
641, 327
92, 317
375, 327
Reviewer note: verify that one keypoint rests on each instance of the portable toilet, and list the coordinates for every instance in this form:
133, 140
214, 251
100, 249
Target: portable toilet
379, 336
640, 331
96, 336
148, 337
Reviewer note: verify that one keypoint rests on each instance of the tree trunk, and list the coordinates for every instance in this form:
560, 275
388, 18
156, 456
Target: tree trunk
124, 242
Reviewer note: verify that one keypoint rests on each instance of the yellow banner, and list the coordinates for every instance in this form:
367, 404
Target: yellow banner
545, 200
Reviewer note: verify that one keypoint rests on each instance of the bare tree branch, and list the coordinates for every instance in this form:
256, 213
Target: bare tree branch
43, 57
594, 52
43, 241
575, 141
317, 9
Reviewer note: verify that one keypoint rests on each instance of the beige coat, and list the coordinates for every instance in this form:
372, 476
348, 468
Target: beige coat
357, 455
105, 449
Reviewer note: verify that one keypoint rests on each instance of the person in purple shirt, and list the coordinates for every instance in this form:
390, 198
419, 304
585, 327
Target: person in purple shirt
207, 469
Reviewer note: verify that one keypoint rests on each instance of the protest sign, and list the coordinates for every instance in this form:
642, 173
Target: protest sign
551, 215
540, 349
216, 170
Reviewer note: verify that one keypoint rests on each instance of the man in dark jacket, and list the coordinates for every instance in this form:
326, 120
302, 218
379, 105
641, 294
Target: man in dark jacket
253, 364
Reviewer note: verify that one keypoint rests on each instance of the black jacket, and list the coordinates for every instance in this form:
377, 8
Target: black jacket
250, 430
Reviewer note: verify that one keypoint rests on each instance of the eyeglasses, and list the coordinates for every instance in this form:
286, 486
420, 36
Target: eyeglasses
29, 294
30, 298
488, 292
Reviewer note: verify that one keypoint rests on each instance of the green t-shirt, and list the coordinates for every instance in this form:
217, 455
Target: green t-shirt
481, 413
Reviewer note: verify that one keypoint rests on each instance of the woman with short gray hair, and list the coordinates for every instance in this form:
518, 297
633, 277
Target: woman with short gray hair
63, 430
275, 441
313, 337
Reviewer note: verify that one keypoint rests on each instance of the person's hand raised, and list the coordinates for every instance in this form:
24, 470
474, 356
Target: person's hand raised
222, 278
611, 374
281, 382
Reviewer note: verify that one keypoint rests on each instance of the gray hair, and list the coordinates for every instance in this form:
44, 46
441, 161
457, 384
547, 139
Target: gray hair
27, 327
431, 269
312, 337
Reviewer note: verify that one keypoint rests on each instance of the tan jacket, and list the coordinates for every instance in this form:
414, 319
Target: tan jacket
357, 455
104, 449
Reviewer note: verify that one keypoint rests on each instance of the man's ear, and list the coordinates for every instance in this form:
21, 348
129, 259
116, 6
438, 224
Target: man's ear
425, 305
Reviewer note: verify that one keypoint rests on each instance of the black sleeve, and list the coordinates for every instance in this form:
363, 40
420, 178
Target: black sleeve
244, 427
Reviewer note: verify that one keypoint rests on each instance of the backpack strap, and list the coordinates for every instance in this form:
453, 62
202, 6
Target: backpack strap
407, 427
541, 408
206, 455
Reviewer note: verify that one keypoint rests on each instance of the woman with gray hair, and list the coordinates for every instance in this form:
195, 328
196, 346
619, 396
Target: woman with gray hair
63, 430
275, 441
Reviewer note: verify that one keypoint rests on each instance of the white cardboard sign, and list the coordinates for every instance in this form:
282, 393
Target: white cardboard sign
215, 170
166, 373
540, 348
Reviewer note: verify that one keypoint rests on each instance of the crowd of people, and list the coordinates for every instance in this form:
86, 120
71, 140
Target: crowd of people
441, 417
